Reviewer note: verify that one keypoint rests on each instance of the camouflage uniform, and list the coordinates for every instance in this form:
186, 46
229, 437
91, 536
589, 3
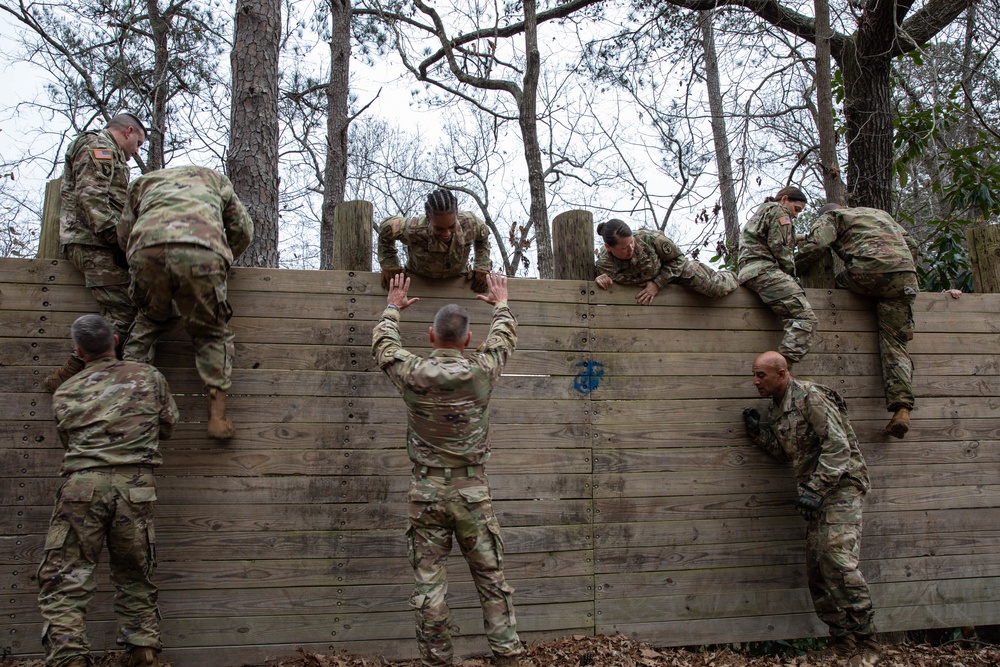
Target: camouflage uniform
93, 193
656, 258
182, 228
447, 400
429, 257
110, 417
810, 428
767, 266
880, 260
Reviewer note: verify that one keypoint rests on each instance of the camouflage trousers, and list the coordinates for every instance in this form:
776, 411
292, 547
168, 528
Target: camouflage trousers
895, 294
706, 280
787, 300
833, 547
93, 507
187, 282
107, 281
439, 508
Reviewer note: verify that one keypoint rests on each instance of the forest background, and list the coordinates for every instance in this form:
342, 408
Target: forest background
679, 115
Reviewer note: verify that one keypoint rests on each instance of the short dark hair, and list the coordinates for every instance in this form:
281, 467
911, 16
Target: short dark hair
612, 230
93, 335
790, 191
440, 201
826, 208
451, 324
126, 118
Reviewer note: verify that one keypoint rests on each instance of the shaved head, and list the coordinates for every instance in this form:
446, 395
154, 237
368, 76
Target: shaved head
770, 375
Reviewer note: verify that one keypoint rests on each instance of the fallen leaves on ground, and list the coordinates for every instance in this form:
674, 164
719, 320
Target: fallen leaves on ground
620, 651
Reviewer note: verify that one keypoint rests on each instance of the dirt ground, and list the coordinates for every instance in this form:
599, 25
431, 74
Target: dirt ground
620, 651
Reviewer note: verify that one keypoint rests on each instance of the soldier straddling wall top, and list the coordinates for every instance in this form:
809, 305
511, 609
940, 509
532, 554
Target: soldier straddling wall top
652, 261
110, 417
94, 180
808, 425
447, 437
767, 266
437, 243
181, 228
880, 259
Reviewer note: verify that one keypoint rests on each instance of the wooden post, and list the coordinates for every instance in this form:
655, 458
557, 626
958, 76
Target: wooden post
48, 238
352, 236
818, 274
984, 254
573, 245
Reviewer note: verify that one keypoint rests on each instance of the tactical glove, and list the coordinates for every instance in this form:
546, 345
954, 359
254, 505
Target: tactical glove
479, 283
751, 419
808, 503
388, 275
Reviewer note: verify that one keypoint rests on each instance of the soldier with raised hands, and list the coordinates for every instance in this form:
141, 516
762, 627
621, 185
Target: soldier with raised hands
447, 399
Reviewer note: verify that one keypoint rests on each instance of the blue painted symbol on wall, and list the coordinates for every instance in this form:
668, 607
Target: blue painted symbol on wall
589, 376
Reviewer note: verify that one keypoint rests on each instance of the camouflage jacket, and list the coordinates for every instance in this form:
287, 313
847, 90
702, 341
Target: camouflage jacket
185, 205
94, 182
447, 395
429, 257
810, 428
113, 413
867, 239
655, 258
767, 243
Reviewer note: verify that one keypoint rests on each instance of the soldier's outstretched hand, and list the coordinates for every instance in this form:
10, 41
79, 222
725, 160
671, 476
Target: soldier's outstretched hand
399, 285
497, 285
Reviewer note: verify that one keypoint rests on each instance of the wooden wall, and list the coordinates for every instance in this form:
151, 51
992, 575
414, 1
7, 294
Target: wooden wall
629, 497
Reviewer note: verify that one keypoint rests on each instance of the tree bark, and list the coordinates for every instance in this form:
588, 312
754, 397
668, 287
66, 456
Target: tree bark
157, 124
829, 164
253, 138
338, 121
352, 226
984, 255
727, 190
528, 120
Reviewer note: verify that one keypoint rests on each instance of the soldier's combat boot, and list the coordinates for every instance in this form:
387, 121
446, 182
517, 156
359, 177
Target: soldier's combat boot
899, 424
837, 648
519, 660
219, 426
143, 656
867, 654
72, 366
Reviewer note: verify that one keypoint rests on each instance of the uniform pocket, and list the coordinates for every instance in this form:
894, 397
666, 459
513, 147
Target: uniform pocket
56, 536
142, 494
76, 492
475, 494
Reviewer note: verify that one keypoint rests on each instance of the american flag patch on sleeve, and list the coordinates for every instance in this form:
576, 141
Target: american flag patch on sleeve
102, 154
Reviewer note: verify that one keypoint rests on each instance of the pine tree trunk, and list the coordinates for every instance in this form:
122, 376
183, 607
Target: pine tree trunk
337, 123
253, 134
833, 185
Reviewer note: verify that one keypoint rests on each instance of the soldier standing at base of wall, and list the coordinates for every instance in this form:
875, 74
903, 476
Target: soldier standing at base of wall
447, 403
110, 417
880, 260
437, 243
94, 181
808, 425
652, 261
766, 264
181, 229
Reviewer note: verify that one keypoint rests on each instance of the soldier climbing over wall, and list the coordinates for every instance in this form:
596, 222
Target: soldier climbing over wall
438, 243
881, 262
181, 229
94, 181
652, 261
